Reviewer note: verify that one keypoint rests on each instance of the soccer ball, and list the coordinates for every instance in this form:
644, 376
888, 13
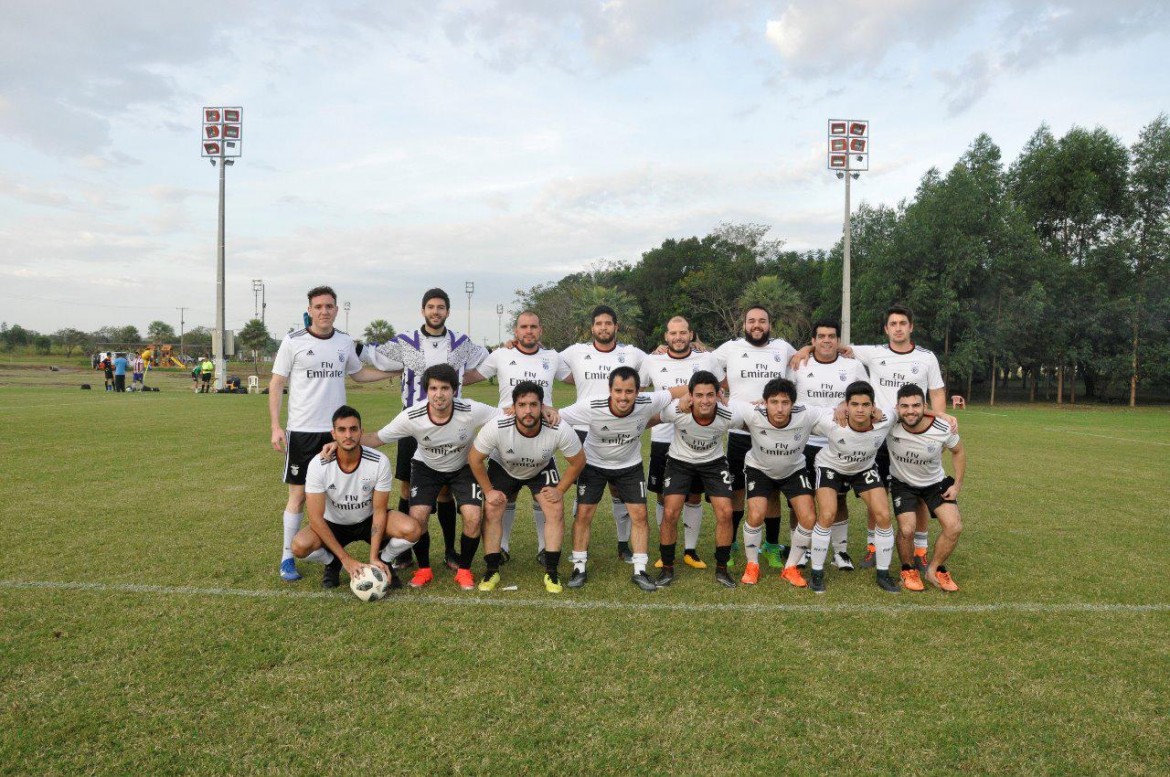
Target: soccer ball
370, 584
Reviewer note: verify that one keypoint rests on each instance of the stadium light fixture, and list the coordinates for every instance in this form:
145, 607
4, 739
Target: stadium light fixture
469, 287
221, 142
848, 152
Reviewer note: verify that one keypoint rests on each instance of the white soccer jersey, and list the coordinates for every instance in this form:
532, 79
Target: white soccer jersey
442, 447
847, 451
615, 442
694, 442
778, 452
590, 367
349, 496
823, 384
414, 351
889, 370
749, 368
316, 368
511, 366
663, 371
916, 458
523, 457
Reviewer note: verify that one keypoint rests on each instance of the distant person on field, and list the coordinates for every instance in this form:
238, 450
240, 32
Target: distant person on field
138, 382
195, 370
108, 370
206, 370
120, 367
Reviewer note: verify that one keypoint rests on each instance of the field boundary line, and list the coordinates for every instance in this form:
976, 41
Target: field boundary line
574, 604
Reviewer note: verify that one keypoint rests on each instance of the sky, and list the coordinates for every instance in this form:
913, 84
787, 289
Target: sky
393, 146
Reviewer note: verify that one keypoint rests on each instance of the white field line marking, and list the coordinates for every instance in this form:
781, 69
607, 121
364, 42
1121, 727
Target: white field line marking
1108, 437
575, 604
984, 412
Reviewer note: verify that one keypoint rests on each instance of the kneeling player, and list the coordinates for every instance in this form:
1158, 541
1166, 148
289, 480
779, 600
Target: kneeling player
916, 444
347, 500
522, 450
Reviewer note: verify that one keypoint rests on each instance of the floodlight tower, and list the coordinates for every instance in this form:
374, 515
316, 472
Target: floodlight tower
500, 327
260, 298
469, 287
222, 142
849, 157
346, 308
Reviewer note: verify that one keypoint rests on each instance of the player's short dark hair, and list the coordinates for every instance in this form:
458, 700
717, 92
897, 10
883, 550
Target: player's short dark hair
625, 372
318, 291
436, 293
893, 310
528, 387
444, 373
757, 306
345, 411
779, 386
603, 310
858, 388
827, 323
911, 390
703, 378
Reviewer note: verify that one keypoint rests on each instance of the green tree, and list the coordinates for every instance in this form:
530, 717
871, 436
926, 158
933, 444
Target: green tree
43, 344
379, 331
71, 339
788, 312
254, 337
160, 332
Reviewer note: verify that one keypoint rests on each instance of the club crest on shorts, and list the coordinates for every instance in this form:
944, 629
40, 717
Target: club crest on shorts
295, 469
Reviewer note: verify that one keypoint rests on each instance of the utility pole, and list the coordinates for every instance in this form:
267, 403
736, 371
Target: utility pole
182, 330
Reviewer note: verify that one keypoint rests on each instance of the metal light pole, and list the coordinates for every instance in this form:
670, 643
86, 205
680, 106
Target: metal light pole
182, 330
222, 144
345, 306
469, 287
258, 298
500, 328
849, 157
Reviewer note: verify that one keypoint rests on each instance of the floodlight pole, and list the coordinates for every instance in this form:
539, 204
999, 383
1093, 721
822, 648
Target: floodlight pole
846, 271
500, 327
221, 346
346, 306
469, 287
182, 330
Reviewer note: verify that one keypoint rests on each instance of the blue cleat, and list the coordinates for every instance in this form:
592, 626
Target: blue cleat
288, 571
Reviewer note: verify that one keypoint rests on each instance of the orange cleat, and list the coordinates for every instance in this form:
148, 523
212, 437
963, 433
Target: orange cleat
911, 581
943, 580
751, 574
920, 560
869, 560
422, 576
465, 579
793, 576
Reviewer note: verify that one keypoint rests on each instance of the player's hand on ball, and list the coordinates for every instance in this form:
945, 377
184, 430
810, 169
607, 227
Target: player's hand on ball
352, 566
329, 452
380, 564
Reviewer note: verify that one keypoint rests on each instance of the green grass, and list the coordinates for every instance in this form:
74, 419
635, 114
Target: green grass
1052, 659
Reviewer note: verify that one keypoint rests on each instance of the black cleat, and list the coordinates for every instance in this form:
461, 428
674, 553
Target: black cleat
505, 556
665, 577
643, 581
842, 561
886, 583
404, 560
331, 577
723, 578
540, 559
816, 581
624, 553
783, 551
452, 560
578, 578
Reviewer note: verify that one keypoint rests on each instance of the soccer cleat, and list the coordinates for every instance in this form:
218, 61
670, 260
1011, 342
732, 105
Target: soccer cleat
395, 580
422, 576
724, 579
643, 581
658, 564
505, 556
288, 571
692, 560
624, 553
465, 579
911, 581
943, 580
451, 559
869, 560
551, 587
886, 583
489, 583
807, 557
792, 576
540, 559
578, 578
404, 560
751, 574
920, 562
665, 577
770, 552
331, 577
842, 561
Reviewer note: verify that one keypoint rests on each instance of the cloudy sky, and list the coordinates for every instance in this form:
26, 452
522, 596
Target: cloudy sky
391, 146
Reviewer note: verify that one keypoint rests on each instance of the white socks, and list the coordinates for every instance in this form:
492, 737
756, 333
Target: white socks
751, 542
509, 519
621, 518
869, 536
579, 558
820, 547
292, 525
640, 561
320, 556
839, 536
692, 525
883, 548
538, 521
394, 548
801, 542
921, 540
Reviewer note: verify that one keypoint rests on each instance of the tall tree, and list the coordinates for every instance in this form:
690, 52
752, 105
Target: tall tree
254, 337
160, 332
379, 331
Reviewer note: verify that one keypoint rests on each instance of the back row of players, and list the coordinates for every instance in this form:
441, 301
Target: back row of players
807, 424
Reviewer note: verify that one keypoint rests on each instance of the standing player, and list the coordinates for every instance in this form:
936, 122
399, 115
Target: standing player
527, 362
664, 371
519, 451
749, 363
430, 344
312, 363
347, 499
916, 444
821, 382
588, 367
613, 457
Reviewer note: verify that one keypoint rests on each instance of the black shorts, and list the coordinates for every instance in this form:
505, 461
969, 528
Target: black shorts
628, 484
406, 448
682, 477
302, 447
362, 531
737, 447
883, 463
502, 481
796, 484
860, 483
658, 470
205, 376
906, 496
810, 461
426, 483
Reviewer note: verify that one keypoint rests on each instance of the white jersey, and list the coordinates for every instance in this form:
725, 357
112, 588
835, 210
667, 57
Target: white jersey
749, 367
521, 456
414, 351
850, 452
615, 442
889, 370
316, 368
664, 371
349, 496
778, 451
916, 458
694, 442
512, 366
442, 447
823, 384
590, 367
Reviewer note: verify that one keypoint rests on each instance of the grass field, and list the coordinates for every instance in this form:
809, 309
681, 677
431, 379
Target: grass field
143, 628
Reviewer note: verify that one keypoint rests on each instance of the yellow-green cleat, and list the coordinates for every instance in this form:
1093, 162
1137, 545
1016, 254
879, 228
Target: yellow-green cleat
551, 587
490, 583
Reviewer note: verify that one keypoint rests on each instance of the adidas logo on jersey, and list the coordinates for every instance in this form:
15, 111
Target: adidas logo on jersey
604, 429
512, 363
883, 362
332, 487
588, 357
427, 438
810, 375
511, 451
663, 370
310, 353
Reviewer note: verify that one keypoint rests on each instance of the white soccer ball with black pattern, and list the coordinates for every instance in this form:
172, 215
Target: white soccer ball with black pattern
370, 584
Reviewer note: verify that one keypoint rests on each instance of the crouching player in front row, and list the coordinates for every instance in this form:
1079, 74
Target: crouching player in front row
519, 451
916, 444
347, 498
